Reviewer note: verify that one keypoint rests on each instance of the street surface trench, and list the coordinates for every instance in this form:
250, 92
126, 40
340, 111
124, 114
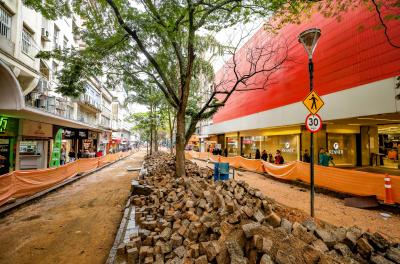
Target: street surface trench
327, 208
76, 224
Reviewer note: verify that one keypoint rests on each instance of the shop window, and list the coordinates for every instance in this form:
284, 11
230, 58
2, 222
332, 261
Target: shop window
342, 148
251, 144
287, 144
233, 146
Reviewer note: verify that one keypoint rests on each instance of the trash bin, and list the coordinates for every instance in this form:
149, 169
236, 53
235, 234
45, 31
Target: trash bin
221, 171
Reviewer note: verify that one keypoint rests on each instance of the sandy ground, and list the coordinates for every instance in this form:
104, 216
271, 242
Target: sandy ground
329, 209
76, 224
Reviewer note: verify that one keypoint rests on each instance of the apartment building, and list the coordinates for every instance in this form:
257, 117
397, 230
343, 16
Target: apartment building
121, 135
31, 111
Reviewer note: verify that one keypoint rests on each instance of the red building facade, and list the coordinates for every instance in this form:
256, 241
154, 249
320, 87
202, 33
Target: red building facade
355, 70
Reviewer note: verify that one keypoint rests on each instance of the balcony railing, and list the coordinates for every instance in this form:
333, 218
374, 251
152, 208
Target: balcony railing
50, 104
90, 101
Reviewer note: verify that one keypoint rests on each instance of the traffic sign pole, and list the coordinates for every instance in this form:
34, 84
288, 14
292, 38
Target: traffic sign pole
311, 71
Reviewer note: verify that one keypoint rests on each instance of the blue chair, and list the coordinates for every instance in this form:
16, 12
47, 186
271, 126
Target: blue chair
221, 171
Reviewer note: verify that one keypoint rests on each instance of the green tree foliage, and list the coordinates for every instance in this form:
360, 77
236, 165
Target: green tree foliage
165, 43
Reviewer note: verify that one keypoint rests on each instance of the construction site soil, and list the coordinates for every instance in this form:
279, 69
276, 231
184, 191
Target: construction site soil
76, 224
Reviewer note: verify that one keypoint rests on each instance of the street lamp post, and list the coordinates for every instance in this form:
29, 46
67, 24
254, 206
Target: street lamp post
309, 39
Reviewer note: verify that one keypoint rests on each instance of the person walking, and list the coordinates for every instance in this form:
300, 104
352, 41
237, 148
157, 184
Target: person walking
324, 158
270, 158
63, 156
306, 156
71, 155
264, 155
258, 155
278, 157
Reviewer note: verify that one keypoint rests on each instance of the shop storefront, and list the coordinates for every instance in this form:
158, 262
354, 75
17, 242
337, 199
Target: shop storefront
389, 145
34, 147
8, 136
342, 148
233, 145
104, 142
87, 143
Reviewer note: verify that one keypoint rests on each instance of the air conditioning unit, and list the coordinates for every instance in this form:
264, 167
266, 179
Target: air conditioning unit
45, 33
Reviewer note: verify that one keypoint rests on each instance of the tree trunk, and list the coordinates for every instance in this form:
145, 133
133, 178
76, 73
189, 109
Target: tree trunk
180, 143
171, 131
156, 137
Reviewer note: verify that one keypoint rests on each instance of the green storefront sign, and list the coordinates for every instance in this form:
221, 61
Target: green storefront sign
56, 153
3, 124
8, 136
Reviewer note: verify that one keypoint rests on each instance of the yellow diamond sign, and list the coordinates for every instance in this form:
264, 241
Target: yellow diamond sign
313, 102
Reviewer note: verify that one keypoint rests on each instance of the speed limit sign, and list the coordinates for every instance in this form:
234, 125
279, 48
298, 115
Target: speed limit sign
313, 123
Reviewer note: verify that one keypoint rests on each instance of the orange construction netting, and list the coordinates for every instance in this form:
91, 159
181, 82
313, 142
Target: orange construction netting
335, 179
22, 183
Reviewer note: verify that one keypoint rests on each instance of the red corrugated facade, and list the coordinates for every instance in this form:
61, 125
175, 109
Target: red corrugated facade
350, 53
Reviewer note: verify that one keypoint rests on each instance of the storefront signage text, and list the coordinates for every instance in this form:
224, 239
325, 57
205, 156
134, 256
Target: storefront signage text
287, 148
69, 133
3, 124
83, 134
336, 149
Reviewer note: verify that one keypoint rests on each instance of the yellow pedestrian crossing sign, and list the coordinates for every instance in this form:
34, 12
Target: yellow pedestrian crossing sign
313, 102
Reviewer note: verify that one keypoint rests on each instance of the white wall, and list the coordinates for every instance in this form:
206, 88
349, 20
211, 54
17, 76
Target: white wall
369, 99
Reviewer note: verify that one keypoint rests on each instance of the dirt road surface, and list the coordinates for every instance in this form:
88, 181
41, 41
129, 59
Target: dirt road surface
76, 224
327, 208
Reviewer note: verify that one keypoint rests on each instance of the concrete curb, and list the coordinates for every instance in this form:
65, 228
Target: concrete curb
120, 232
123, 226
19, 202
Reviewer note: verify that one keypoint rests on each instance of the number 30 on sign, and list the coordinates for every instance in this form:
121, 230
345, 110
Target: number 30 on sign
313, 123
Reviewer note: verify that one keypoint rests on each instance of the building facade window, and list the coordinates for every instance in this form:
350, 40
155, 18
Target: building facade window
5, 23
65, 43
27, 42
55, 37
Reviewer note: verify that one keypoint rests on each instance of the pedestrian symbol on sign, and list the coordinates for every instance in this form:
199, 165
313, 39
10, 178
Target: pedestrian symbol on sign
313, 102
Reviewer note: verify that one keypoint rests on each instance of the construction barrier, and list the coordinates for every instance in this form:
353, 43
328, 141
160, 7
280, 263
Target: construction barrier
339, 180
23, 183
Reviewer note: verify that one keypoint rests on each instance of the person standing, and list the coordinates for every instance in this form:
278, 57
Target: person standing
278, 157
264, 155
63, 156
270, 158
258, 155
324, 158
306, 156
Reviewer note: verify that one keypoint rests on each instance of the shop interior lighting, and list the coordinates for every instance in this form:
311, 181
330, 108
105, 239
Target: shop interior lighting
378, 119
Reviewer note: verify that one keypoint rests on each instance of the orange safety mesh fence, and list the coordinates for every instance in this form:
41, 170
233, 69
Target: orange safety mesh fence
22, 183
335, 179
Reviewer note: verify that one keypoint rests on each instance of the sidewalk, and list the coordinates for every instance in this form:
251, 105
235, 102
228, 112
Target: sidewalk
327, 208
76, 224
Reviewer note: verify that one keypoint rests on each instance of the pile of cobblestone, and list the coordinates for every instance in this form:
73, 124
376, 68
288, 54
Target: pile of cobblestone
196, 220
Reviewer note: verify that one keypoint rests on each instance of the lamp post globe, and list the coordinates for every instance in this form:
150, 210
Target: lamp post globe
309, 38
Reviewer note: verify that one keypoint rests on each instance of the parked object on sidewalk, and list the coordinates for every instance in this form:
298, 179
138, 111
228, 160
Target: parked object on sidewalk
361, 202
221, 171
388, 190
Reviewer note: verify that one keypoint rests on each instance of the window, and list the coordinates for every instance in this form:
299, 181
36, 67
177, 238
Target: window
65, 43
55, 70
5, 23
55, 37
27, 42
